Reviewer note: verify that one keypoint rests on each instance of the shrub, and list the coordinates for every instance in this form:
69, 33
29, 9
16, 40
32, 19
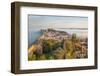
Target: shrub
50, 45
69, 55
41, 57
59, 53
33, 57
68, 45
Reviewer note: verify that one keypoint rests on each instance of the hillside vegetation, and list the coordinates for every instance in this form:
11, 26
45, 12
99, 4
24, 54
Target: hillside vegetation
54, 44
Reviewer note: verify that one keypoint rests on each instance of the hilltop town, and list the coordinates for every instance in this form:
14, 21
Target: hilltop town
55, 44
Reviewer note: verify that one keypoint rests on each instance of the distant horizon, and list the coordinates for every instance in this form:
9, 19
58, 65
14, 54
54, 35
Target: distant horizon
78, 25
37, 21
66, 28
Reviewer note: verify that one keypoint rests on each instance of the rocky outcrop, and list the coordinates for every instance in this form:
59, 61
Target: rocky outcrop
53, 34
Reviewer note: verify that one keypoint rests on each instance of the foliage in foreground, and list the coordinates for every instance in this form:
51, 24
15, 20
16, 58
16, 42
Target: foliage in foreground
52, 49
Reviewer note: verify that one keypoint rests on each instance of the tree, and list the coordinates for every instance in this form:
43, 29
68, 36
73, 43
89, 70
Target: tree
41, 57
59, 53
70, 55
67, 45
50, 57
50, 45
74, 37
33, 57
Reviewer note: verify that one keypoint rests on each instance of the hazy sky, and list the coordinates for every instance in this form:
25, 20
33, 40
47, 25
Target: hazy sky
36, 21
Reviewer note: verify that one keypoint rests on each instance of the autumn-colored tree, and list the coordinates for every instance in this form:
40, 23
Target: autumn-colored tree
67, 45
69, 55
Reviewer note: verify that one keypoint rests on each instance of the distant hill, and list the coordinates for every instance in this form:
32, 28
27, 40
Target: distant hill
54, 34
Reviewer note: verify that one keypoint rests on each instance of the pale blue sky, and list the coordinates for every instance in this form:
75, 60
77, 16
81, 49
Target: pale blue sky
36, 21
